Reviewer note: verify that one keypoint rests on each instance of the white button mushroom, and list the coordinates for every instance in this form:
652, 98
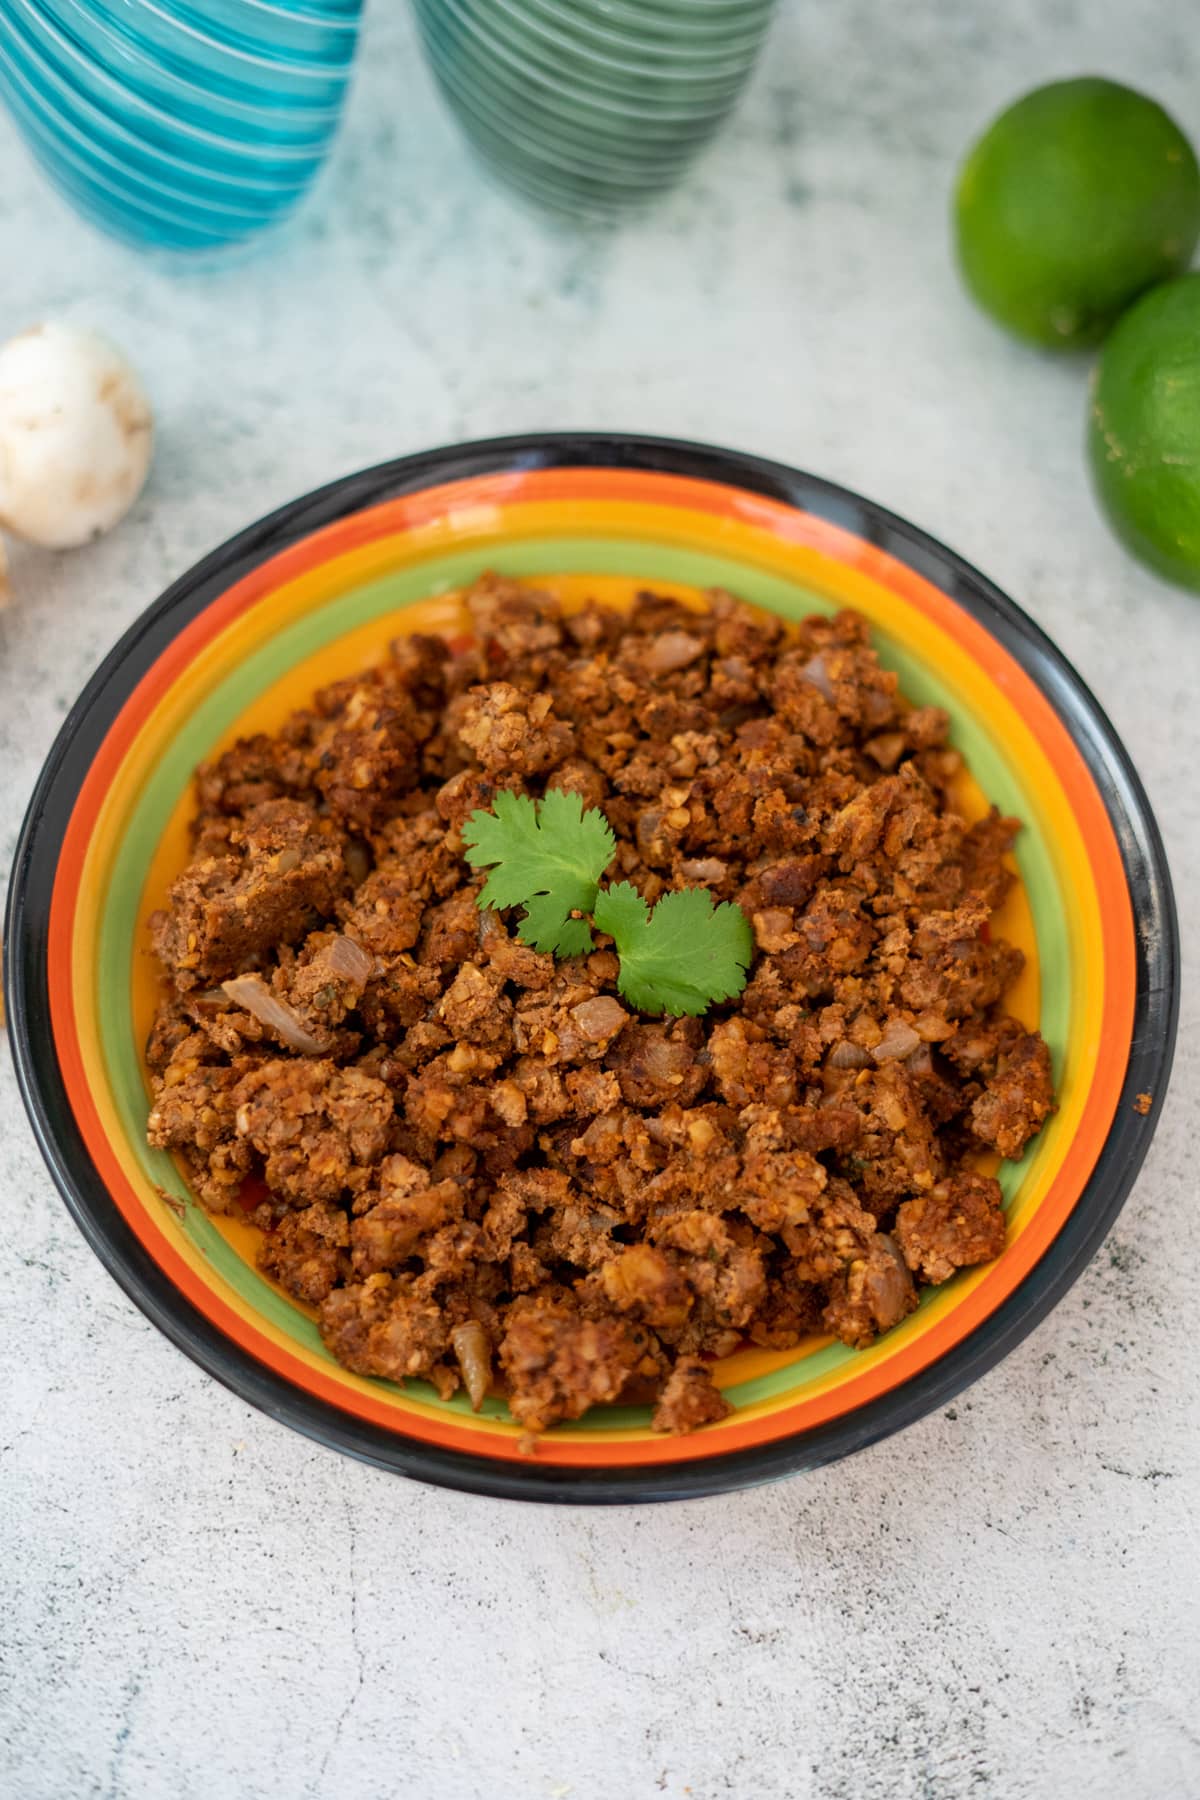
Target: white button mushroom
76, 434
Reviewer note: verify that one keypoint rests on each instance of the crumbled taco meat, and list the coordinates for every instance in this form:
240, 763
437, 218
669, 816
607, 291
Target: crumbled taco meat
484, 1162
689, 1398
276, 873
957, 1223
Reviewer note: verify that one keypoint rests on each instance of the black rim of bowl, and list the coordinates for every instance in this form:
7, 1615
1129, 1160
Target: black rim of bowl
26, 931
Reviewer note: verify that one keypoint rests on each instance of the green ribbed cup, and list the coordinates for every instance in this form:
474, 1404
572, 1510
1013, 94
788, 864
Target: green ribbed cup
591, 106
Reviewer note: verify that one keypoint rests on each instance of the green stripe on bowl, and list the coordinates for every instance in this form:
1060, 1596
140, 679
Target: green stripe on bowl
651, 560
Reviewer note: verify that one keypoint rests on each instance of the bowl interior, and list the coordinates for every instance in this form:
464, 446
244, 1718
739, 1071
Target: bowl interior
327, 606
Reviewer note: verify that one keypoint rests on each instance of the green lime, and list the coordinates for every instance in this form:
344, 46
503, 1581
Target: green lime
1144, 429
1071, 204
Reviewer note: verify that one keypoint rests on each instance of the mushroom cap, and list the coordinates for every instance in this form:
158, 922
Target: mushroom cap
76, 435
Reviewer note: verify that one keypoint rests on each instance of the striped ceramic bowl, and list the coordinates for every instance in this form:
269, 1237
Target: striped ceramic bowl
316, 592
186, 125
589, 106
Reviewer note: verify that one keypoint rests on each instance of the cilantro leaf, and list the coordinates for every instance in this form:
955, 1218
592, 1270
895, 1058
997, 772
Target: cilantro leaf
546, 855
680, 957
543, 926
621, 911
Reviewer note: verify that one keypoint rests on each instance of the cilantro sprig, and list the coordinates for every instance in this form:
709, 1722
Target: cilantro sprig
549, 856
546, 856
681, 956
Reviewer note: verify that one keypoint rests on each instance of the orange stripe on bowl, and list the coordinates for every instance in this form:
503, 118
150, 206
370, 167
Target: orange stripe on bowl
751, 516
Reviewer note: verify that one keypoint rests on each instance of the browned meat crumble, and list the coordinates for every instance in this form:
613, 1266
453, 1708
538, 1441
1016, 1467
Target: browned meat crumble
480, 1165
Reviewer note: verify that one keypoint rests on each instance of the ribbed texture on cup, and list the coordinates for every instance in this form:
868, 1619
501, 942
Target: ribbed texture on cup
590, 106
189, 125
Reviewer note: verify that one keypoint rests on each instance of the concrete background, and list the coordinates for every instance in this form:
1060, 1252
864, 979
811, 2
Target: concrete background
1003, 1601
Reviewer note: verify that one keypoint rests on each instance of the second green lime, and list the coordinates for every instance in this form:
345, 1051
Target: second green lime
1072, 203
1144, 429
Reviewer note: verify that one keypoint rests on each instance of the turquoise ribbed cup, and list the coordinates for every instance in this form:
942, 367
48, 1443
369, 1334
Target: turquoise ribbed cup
183, 125
591, 106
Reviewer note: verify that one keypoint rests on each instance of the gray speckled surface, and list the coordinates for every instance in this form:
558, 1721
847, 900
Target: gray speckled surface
1003, 1601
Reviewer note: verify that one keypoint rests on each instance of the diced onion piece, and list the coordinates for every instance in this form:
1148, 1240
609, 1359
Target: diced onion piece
647, 825
600, 1018
705, 871
898, 1040
669, 651
350, 960
846, 1055
921, 1061
252, 992
878, 707
474, 1355
816, 672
